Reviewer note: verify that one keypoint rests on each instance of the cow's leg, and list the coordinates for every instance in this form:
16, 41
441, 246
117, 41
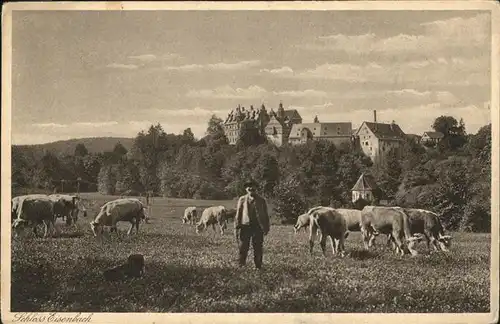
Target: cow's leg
428, 237
46, 226
334, 244
398, 240
35, 225
322, 243
366, 234
312, 237
131, 227
341, 246
137, 221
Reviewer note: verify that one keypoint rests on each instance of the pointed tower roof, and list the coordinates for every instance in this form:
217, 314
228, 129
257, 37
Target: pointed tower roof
364, 183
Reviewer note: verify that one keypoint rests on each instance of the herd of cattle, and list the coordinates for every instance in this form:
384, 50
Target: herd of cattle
403, 226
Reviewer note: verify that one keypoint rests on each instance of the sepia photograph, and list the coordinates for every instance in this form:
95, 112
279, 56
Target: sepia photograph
308, 159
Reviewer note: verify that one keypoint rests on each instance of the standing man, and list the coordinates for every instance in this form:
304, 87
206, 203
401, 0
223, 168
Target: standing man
251, 223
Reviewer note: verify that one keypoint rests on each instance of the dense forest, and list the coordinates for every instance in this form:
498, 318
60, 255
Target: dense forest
451, 178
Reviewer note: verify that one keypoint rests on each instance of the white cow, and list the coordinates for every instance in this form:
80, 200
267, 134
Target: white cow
119, 210
189, 217
212, 216
330, 223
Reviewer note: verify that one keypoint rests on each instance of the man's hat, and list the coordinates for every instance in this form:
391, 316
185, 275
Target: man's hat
250, 183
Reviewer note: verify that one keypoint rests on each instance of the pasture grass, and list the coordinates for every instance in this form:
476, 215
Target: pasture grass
186, 272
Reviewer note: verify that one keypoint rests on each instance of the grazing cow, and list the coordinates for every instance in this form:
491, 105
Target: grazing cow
119, 210
190, 214
16, 202
427, 223
34, 210
302, 222
330, 223
211, 216
388, 220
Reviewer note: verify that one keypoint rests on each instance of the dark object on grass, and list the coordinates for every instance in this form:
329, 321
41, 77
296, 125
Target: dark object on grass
134, 268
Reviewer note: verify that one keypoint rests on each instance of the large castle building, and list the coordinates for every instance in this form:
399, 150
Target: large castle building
337, 133
276, 126
376, 140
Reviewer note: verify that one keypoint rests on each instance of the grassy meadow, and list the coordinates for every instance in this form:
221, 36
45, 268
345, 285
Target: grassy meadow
186, 272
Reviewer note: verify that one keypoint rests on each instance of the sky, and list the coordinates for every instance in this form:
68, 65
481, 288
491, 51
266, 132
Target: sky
79, 74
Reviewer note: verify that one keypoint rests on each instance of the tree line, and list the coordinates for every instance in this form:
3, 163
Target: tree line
451, 178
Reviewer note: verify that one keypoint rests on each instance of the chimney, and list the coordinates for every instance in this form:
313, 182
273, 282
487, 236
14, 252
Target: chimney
374, 116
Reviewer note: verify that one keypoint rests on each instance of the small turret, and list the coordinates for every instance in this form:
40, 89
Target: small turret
316, 119
281, 111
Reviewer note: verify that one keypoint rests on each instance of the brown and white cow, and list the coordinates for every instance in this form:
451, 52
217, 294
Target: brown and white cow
16, 202
32, 211
119, 210
388, 220
212, 216
427, 223
330, 223
190, 216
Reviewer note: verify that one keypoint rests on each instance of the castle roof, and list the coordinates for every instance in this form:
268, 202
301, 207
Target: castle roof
434, 135
386, 131
241, 114
364, 183
323, 129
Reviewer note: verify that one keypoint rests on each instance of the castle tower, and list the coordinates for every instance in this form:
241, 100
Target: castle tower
281, 111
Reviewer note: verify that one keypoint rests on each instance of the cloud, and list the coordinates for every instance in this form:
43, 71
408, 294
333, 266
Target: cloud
95, 124
437, 35
301, 93
144, 57
227, 92
122, 66
76, 124
243, 65
345, 72
283, 71
49, 125
153, 57
440, 71
197, 111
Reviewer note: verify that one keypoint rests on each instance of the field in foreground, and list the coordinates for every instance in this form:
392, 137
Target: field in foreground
186, 272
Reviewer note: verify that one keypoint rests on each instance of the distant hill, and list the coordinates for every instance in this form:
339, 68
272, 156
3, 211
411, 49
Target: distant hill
93, 145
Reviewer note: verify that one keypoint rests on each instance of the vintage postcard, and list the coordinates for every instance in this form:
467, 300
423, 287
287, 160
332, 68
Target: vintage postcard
223, 162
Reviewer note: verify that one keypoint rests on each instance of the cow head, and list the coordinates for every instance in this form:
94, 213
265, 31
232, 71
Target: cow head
95, 227
18, 225
444, 241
